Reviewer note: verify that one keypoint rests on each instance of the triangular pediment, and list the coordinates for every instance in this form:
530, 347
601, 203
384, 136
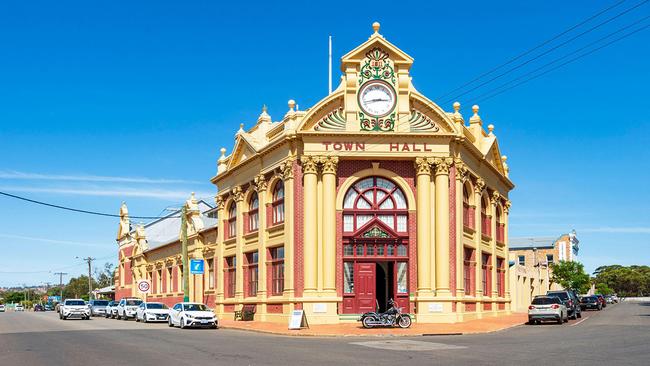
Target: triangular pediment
376, 41
375, 229
493, 156
242, 151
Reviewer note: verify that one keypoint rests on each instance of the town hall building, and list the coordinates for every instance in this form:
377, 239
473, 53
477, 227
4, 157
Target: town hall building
375, 192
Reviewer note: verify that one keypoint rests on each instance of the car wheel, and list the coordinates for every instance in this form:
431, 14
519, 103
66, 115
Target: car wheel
144, 318
171, 325
137, 319
182, 323
60, 316
125, 318
580, 314
560, 320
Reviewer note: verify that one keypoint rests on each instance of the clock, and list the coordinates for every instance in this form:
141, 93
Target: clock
377, 98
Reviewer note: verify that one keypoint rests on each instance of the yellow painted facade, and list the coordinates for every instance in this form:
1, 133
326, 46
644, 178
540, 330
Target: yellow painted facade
441, 246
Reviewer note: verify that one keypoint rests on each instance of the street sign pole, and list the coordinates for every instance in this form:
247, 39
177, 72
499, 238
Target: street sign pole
186, 270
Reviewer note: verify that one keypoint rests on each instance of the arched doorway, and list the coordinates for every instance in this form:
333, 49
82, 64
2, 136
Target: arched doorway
375, 246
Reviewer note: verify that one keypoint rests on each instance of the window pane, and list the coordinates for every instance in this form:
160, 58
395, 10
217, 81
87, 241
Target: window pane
279, 253
279, 191
401, 223
380, 249
400, 201
362, 220
370, 249
383, 183
391, 250
388, 220
348, 202
254, 202
359, 249
370, 196
380, 195
401, 250
348, 277
402, 277
348, 223
347, 249
363, 204
365, 184
387, 205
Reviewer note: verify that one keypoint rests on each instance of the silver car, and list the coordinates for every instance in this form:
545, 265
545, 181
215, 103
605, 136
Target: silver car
545, 308
97, 307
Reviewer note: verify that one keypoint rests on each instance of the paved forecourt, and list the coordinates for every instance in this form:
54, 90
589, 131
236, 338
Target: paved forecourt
619, 334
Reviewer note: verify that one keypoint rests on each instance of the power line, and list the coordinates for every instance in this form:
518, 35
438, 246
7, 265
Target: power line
565, 63
84, 211
546, 52
54, 269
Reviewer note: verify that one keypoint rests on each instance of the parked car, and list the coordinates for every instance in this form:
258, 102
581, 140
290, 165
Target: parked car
39, 307
191, 314
152, 312
19, 307
615, 298
570, 300
48, 307
2, 308
590, 302
547, 308
601, 298
74, 308
126, 308
97, 307
111, 309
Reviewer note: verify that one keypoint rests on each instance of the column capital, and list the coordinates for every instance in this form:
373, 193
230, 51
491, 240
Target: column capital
495, 198
237, 194
287, 169
423, 166
309, 164
260, 183
461, 170
329, 164
506, 206
479, 186
219, 201
442, 165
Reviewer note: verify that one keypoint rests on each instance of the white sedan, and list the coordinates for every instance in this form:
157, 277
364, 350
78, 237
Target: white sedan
19, 308
192, 314
152, 312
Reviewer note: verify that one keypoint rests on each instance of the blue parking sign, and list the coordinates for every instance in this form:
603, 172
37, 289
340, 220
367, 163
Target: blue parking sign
196, 266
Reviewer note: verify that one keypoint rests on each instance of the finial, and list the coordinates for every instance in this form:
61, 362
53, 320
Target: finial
241, 128
375, 27
475, 109
264, 109
504, 158
456, 106
475, 118
223, 153
491, 129
292, 104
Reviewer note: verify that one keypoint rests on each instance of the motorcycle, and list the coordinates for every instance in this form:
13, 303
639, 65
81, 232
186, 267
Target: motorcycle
390, 318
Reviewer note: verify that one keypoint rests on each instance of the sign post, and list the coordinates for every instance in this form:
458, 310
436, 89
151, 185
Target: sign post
298, 320
144, 287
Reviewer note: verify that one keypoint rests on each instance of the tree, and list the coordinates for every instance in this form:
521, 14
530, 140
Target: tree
77, 288
106, 276
603, 289
625, 281
571, 275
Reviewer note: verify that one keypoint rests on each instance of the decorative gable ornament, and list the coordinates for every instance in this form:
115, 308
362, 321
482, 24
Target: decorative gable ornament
375, 232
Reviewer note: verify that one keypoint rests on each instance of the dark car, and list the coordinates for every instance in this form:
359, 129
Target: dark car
590, 302
570, 300
601, 298
39, 307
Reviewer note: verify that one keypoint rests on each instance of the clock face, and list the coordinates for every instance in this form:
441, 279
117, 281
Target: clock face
377, 98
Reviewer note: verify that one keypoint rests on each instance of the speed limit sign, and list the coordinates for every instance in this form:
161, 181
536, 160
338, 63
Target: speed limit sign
144, 286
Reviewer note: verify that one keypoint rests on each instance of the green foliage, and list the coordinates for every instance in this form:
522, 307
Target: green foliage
105, 277
13, 297
77, 288
571, 275
625, 281
603, 289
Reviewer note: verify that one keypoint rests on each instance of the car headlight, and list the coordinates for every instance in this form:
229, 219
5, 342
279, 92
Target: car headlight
190, 316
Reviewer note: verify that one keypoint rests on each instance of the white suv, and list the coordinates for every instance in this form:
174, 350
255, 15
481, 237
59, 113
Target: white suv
74, 308
127, 307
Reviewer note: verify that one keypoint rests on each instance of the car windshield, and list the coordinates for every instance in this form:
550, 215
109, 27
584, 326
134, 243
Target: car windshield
195, 307
133, 302
561, 295
589, 299
100, 303
78, 302
545, 300
156, 306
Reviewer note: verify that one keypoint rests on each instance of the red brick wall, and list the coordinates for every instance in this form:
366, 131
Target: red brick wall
487, 306
470, 306
274, 308
502, 306
298, 254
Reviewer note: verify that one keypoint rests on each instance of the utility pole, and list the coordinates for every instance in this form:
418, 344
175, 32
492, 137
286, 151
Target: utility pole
89, 260
186, 270
61, 274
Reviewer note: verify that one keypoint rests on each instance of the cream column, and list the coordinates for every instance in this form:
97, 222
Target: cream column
461, 174
329, 223
238, 196
288, 180
310, 227
260, 187
423, 179
219, 201
478, 192
442, 226
493, 242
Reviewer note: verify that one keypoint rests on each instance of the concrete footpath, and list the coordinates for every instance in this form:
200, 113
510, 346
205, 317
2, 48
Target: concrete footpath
486, 325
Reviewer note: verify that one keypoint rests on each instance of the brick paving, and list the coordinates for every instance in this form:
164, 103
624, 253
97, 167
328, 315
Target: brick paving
486, 325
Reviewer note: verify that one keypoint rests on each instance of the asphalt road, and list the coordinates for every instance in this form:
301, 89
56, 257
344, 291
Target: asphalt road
618, 335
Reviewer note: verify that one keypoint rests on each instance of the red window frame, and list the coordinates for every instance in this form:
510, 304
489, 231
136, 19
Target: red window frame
487, 276
232, 221
277, 270
231, 276
211, 280
277, 206
500, 277
254, 213
252, 274
468, 219
468, 274
486, 227
374, 209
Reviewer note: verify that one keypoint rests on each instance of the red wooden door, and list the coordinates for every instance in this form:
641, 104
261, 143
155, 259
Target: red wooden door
365, 287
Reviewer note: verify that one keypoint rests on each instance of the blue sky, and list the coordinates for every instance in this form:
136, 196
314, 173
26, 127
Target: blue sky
101, 103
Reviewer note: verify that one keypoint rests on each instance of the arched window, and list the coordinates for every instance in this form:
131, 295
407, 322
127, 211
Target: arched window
372, 198
485, 219
500, 225
278, 203
232, 220
253, 213
468, 219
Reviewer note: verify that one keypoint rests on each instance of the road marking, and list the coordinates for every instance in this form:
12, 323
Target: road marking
407, 345
578, 322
